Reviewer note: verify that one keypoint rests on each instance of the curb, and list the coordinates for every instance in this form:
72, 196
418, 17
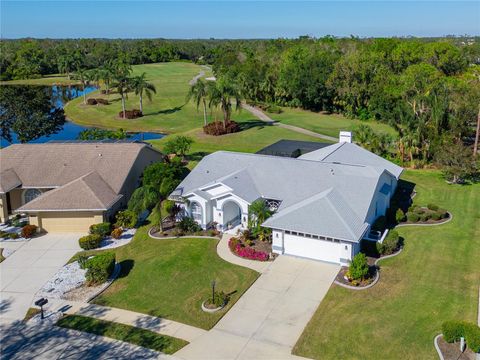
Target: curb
376, 278
435, 343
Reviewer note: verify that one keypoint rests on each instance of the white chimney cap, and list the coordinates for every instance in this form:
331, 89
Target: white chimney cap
345, 136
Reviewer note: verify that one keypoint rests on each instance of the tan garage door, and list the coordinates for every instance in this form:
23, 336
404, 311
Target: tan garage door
68, 222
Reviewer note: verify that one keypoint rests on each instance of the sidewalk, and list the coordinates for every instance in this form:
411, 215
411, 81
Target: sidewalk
152, 323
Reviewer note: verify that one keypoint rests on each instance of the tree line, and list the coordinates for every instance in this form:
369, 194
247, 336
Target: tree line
428, 91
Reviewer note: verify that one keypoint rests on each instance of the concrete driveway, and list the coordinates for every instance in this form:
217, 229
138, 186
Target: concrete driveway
32, 264
22, 341
269, 318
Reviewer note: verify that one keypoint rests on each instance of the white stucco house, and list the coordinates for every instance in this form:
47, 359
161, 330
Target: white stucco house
325, 201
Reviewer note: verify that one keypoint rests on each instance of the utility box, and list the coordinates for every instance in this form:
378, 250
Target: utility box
345, 136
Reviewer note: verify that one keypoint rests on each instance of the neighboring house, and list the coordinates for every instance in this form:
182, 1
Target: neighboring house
324, 201
69, 186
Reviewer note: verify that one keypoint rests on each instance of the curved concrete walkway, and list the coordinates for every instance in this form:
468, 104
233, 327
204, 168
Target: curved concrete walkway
224, 252
264, 117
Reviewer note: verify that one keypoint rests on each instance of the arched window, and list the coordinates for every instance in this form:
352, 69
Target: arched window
31, 194
196, 211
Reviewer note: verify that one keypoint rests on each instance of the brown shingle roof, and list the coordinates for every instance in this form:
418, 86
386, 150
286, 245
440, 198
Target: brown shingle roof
89, 192
8, 180
56, 164
87, 176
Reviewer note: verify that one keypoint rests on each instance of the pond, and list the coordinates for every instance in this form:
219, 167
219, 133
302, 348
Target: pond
34, 114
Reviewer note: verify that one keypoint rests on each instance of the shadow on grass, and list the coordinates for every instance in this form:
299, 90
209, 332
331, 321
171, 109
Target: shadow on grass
197, 156
247, 125
126, 267
165, 111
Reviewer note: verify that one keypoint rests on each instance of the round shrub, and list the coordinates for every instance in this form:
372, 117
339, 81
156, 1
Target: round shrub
91, 101
90, 242
13, 236
418, 210
99, 268
432, 207
116, 233
131, 114
436, 216
126, 219
358, 268
188, 225
28, 231
412, 217
102, 229
390, 244
453, 330
399, 216
425, 217
472, 337
443, 213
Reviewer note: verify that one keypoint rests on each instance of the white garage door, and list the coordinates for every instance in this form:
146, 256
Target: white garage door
312, 248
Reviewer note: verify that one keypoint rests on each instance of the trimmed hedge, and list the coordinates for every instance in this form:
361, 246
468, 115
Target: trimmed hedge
390, 244
90, 242
102, 229
454, 330
99, 268
412, 217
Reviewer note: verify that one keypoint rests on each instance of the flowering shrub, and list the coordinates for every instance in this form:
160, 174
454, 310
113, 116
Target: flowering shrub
246, 252
28, 231
116, 233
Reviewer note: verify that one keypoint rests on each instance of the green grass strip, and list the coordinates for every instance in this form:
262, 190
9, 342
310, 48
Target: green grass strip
127, 333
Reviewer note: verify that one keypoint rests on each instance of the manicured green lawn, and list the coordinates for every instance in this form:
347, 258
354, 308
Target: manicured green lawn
328, 124
171, 279
435, 278
54, 79
133, 335
167, 112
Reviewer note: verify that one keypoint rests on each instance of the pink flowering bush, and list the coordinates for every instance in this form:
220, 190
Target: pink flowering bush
246, 252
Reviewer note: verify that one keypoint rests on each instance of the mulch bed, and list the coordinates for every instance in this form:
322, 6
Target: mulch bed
452, 351
170, 230
425, 222
372, 270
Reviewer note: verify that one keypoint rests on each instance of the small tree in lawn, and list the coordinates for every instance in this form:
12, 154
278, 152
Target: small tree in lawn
358, 268
456, 160
178, 145
83, 76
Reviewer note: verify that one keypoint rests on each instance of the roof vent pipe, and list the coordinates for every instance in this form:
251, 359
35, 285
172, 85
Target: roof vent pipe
345, 136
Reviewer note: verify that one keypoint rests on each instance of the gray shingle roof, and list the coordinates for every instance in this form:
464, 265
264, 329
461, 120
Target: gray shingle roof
327, 198
349, 153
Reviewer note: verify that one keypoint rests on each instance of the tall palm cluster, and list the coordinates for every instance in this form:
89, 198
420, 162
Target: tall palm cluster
116, 75
213, 94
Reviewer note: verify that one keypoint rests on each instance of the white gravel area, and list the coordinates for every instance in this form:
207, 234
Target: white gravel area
110, 243
67, 278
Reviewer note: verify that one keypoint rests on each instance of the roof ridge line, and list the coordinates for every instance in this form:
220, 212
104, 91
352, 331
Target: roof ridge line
339, 215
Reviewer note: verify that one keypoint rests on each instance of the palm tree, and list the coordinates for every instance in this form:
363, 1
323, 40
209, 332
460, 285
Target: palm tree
83, 76
107, 74
123, 85
221, 93
258, 212
66, 63
199, 93
141, 85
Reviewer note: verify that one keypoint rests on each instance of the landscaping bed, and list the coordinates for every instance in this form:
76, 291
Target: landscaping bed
251, 249
186, 227
133, 335
343, 275
430, 214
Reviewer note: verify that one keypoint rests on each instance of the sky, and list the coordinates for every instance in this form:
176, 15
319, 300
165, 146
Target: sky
236, 19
